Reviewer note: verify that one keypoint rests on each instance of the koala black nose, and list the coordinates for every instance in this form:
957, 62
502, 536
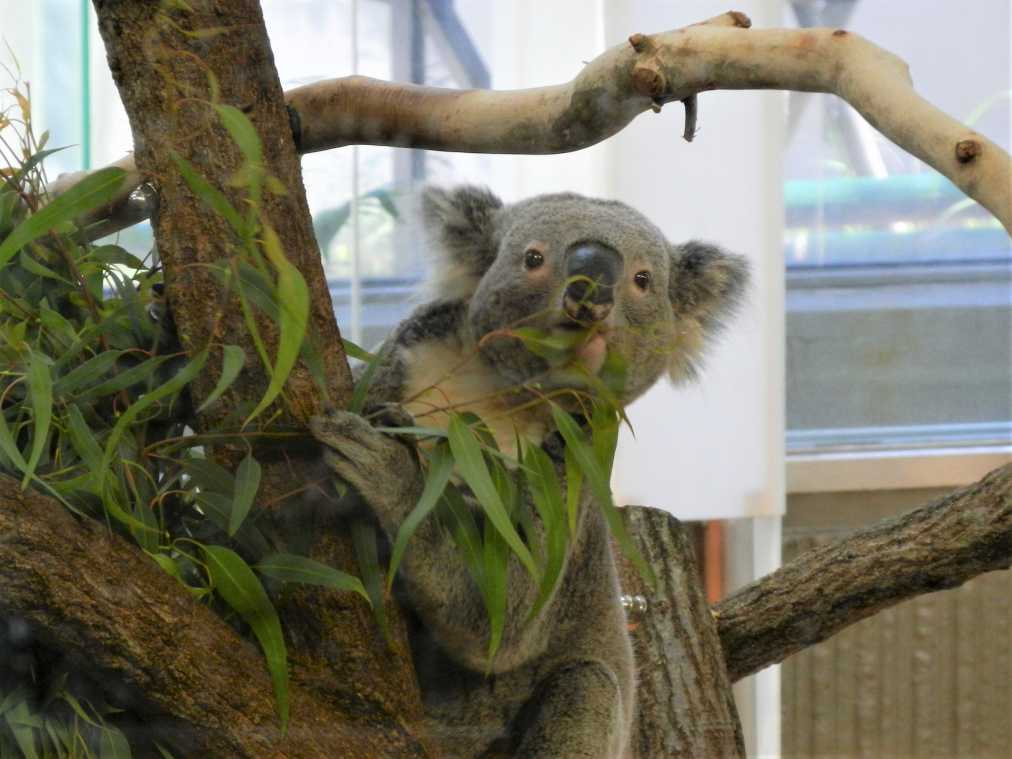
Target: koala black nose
592, 269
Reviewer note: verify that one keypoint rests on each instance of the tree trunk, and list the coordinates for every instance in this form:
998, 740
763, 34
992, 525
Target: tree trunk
684, 703
170, 64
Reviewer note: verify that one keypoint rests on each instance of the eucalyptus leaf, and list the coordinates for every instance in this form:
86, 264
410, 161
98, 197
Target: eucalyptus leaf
90, 193
592, 469
214, 198
289, 567
293, 301
363, 540
242, 131
546, 492
233, 358
40, 390
467, 452
239, 587
119, 381
247, 482
438, 474
113, 744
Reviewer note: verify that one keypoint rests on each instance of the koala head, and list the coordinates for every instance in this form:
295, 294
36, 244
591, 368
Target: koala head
563, 262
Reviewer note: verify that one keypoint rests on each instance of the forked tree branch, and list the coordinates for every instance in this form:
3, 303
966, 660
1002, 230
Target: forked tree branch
938, 546
646, 73
112, 611
100, 599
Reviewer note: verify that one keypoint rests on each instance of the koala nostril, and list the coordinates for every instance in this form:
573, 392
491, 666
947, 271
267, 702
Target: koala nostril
593, 270
584, 310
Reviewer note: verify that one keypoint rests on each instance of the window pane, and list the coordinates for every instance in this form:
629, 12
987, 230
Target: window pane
898, 286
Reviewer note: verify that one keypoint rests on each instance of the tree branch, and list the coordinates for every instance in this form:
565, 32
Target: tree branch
97, 599
935, 547
611, 90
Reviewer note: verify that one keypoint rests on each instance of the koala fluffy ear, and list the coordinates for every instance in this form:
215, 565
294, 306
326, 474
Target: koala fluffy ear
461, 227
706, 285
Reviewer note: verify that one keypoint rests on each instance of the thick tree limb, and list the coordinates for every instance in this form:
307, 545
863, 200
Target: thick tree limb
684, 706
648, 72
102, 603
172, 63
938, 546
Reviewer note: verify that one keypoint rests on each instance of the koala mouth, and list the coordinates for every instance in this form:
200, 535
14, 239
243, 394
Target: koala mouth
590, 353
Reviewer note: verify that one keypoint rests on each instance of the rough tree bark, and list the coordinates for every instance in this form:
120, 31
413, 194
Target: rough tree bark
170, 66
103, 601
935, 547
197, 683
684, 705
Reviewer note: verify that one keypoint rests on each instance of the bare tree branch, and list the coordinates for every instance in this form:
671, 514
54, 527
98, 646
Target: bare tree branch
611, 90
100, 601
938, 546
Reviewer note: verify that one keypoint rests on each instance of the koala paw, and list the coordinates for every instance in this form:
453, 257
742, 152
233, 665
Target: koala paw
382, 468
388, 415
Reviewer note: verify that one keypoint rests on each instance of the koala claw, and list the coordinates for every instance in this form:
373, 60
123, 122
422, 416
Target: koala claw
388, 415
366, 459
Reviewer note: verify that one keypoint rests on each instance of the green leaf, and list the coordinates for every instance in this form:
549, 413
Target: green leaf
362, 386
114, 255
592, 469
213, 197
293, 302
574, 488
113, 744
555, 347
495, 566
169, 565
440, 467
288, 567
122, 380
241, 590
32, 162
209, 476
91, 192
40, 389
543, 483
233, 359
9, 448
247, 481
86, 373
471, 463
83, 441
174, 385
363, 540
242, 131
31, 265
22, 723
357, 351
55, 324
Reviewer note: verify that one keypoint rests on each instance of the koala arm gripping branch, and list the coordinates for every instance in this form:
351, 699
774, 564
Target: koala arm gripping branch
439, 585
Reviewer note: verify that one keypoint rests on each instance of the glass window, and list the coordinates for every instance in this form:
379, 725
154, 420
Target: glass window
898, 286
359, 196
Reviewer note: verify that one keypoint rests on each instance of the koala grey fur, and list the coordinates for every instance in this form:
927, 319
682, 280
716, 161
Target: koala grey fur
562, 684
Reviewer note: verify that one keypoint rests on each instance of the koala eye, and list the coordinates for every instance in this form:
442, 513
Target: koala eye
642, 279
533, 258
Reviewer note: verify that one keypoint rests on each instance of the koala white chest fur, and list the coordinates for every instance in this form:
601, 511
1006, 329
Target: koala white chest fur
563, 682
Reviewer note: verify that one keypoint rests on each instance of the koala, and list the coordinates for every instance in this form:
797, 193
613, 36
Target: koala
563, 683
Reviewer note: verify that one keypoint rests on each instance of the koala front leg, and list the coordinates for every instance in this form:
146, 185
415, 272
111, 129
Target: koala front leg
576, 712
383, 469
386, 473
